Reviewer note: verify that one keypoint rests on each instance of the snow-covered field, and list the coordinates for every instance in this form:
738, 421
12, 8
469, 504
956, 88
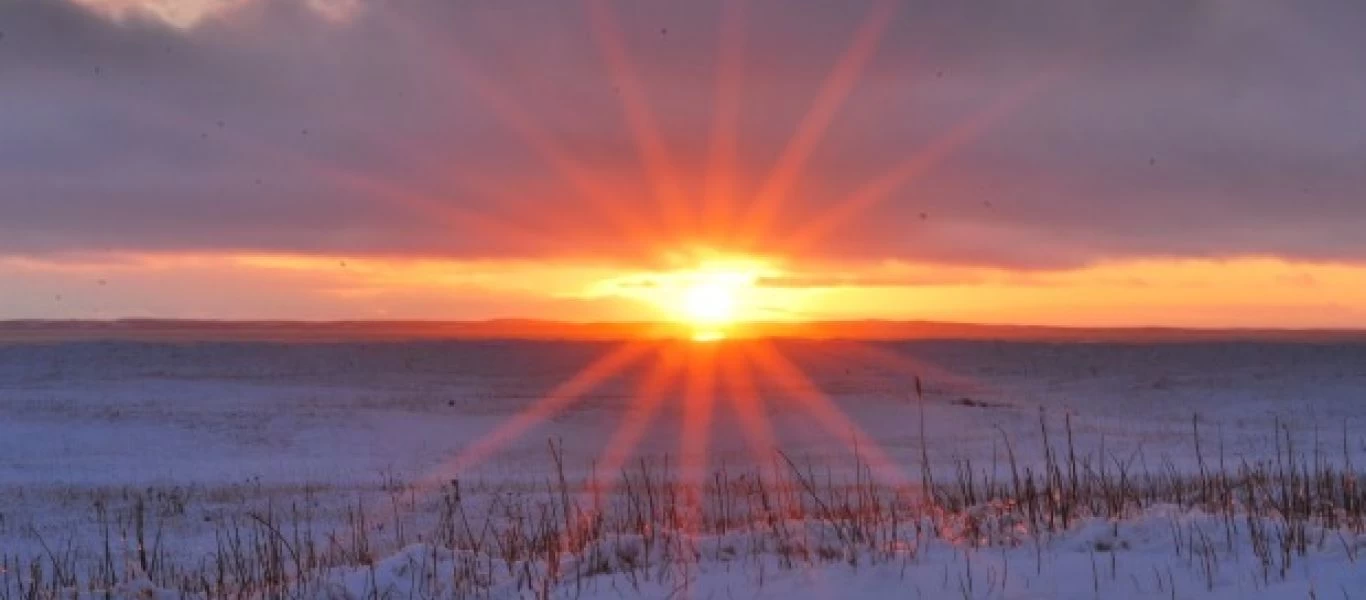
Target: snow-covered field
203, 438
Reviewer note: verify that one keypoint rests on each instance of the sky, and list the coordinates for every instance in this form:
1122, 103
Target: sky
1095, 163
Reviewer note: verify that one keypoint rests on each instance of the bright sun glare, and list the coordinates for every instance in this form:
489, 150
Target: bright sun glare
710, 304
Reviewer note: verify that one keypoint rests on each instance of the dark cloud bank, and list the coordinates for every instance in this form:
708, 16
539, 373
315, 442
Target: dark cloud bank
1190, 128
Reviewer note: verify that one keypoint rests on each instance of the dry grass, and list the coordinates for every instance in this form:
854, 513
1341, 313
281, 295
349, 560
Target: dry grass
649, 527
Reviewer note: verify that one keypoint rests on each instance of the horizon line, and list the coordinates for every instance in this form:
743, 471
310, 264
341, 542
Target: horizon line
531, 329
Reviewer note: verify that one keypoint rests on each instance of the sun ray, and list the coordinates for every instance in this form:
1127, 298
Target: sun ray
833, 91
914, 166
748, 405
659, 165
536, 227
698, 403
628, 222
723, 150
513, 218
428, 206
838, 425
553, 403
649, 399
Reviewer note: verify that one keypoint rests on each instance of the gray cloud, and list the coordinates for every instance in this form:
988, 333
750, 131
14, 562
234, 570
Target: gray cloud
1192, 128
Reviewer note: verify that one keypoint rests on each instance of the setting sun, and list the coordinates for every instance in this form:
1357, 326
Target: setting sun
709, 303
710, 296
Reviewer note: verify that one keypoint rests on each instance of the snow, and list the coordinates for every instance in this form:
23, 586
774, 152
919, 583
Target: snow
238, 426
1130, 559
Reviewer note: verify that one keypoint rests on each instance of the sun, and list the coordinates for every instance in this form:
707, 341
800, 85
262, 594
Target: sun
709, 302
710, 299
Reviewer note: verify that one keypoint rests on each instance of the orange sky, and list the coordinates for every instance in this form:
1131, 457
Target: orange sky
1248, 292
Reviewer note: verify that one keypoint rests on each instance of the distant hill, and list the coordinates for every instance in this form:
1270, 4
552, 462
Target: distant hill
339, 331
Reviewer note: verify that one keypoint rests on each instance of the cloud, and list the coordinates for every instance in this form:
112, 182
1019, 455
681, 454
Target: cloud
827, 281
470, 130
309, 287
